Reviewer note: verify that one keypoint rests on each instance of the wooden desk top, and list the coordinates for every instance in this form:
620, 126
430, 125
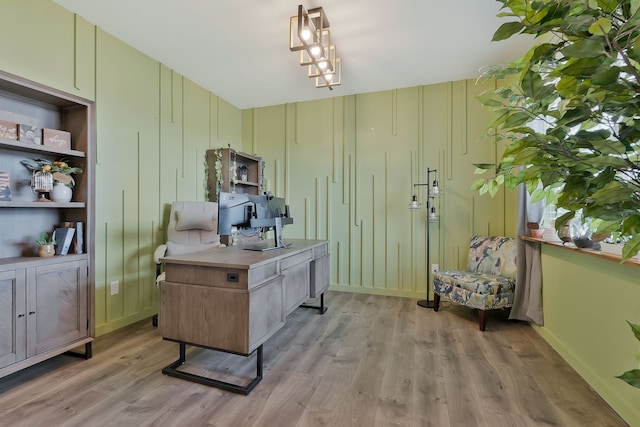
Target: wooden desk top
238, 258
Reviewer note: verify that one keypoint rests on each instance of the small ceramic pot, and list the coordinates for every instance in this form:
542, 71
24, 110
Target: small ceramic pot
537, 233
46, 250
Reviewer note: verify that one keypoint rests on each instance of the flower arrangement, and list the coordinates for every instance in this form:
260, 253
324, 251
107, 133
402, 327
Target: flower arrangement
60, 170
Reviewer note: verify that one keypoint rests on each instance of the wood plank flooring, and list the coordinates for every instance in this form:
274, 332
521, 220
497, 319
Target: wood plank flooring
369, 361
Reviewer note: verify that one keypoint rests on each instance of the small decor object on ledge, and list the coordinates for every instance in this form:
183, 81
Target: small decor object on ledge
243, 173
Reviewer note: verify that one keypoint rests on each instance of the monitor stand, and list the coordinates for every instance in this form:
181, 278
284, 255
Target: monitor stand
277, 242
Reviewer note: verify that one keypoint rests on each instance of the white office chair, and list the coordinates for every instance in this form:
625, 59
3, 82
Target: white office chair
193, 227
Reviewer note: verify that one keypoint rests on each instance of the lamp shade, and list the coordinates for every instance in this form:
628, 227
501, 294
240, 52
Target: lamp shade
433, 215
415, 204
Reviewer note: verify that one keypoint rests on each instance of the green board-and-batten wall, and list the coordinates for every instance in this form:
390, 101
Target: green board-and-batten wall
346, 165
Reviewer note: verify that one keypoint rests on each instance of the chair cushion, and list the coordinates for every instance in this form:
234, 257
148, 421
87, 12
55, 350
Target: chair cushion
493, 255
205, 212
192, 219
478, 290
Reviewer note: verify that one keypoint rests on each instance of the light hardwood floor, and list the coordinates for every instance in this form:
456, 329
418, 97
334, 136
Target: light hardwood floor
369, 361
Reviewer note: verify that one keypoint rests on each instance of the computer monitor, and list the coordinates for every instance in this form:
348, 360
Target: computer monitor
253, 213
234, 210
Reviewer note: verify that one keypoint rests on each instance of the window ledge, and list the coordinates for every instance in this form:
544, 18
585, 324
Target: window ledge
634, 262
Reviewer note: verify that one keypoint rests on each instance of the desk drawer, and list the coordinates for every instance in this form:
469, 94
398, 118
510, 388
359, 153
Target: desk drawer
319, 251
207, 276
260, 274
320, 275
296, 259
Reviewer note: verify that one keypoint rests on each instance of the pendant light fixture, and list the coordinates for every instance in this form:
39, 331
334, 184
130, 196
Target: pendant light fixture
309, 34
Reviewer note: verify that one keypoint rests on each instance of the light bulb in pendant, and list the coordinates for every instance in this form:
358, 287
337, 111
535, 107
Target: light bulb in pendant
415, 204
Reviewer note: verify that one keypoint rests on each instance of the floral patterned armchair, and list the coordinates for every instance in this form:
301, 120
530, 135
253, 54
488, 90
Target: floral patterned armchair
489, 281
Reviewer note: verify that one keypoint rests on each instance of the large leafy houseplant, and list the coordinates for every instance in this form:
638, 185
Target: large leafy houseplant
632, 377
569, 110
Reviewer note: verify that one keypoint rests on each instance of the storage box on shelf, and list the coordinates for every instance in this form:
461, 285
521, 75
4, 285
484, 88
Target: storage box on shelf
46, 303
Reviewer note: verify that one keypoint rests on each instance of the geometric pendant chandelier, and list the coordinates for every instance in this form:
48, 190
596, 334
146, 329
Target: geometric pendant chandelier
310, 36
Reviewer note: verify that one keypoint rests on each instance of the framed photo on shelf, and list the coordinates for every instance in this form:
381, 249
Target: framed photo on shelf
30, 134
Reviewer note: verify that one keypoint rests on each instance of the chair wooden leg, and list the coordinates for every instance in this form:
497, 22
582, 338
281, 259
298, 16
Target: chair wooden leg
482, 319
436, 302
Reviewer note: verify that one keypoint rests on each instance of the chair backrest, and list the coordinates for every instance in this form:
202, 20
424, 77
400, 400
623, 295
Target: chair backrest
193, 226
493, 255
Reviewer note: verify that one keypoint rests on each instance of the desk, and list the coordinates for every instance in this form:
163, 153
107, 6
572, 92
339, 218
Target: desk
233, 300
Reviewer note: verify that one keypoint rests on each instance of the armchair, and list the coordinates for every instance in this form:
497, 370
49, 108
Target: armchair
489, 281
193, 227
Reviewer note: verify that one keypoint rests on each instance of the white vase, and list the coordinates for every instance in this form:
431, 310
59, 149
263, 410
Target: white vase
61, 193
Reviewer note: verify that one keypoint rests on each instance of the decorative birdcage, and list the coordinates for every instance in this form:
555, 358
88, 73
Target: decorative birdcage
42, 182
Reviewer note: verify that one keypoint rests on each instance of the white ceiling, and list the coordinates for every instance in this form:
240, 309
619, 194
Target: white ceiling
239, 49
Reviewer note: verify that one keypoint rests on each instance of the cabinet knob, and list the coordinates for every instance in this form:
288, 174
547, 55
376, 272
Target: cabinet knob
32, 312
21, 315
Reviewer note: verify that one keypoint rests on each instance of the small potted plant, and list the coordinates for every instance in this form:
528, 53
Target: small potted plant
47, 244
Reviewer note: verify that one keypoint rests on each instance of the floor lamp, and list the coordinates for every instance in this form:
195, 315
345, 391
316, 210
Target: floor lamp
433, 191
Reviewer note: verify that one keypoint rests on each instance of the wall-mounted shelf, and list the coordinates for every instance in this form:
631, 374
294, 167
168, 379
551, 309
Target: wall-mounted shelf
226, 168
225, 165
634, 262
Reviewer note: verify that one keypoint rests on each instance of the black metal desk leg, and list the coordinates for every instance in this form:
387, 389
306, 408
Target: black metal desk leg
321, 308
172, 370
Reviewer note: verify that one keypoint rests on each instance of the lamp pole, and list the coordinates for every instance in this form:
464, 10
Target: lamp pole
426, 302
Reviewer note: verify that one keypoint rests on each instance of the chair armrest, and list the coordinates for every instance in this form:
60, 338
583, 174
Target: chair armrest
159, 253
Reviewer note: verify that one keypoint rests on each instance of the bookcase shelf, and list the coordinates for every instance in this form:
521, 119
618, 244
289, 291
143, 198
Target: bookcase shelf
48, 302
35, 148
43, 205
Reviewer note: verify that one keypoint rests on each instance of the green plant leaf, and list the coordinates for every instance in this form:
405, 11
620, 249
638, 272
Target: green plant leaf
477, 184
493, 187
484, 166
636, 329
631, 248
601, 27
631, 377
589, 48
506, 30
